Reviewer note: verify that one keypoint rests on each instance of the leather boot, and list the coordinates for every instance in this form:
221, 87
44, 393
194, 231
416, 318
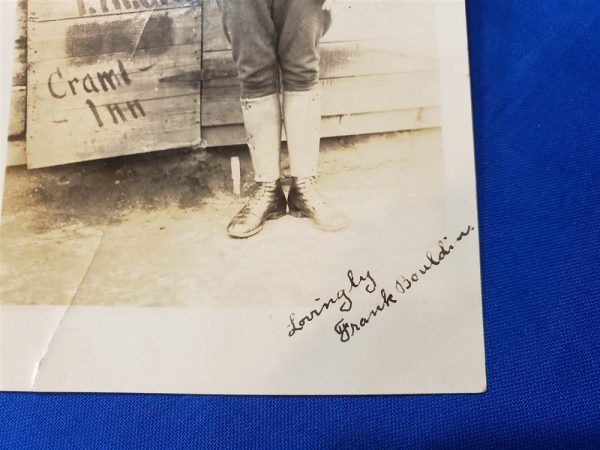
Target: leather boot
267, 202
304, 200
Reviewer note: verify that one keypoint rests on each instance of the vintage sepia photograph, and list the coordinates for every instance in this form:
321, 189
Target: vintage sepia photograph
240, 197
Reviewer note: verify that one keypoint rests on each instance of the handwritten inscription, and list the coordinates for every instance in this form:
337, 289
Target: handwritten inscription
347, 329
99, 82
117, 111
92, 7
342, 296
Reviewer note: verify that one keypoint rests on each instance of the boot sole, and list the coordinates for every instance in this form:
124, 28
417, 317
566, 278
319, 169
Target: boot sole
273, 216
301, 215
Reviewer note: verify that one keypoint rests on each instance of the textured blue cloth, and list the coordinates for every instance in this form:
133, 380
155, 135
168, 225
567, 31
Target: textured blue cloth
536, 86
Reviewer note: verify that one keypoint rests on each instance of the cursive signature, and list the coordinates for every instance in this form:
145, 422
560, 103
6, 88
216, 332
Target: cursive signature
342, 296
345, 329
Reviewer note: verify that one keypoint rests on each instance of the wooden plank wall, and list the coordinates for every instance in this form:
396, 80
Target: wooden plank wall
111, 77
378, 67
16, 125
379, 73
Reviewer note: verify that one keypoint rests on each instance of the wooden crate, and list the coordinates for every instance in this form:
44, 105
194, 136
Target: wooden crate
109, 78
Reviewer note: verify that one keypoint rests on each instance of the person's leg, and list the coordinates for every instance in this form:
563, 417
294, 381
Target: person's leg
249, 27
251, 31
300, 25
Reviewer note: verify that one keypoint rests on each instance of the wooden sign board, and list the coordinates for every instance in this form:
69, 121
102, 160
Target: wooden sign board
111, 77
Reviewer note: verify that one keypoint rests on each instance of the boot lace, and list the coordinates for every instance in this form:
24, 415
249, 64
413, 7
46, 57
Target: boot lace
258, 196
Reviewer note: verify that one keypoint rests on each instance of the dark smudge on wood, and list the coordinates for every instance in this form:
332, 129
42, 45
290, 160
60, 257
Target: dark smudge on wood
92, 39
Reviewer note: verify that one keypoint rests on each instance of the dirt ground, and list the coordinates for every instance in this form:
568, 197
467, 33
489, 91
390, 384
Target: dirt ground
150, 229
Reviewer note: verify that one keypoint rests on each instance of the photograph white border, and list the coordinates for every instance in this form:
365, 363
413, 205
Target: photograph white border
247, 350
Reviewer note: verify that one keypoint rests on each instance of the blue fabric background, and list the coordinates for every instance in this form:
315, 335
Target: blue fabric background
536, 95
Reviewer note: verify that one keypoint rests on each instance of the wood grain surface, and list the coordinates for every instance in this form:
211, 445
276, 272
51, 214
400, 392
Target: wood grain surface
111, 83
